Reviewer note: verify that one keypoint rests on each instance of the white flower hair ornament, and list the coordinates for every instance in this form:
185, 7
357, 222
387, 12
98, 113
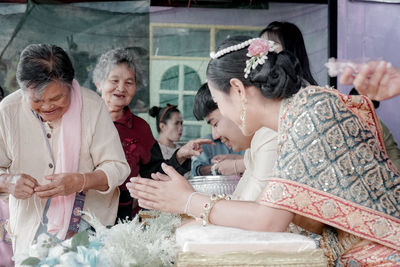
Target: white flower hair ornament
257, 51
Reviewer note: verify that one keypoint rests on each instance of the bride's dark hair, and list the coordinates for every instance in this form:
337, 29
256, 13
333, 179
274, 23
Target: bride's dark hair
279, 77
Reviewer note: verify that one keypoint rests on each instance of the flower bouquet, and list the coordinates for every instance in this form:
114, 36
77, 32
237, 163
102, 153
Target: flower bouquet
129, 243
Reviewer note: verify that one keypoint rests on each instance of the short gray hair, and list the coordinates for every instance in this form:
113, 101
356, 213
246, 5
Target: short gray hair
41, 64
112, 58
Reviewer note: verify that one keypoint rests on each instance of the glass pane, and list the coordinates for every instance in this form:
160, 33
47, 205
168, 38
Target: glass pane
188, 103
168, 99
190, 132
221, 35
170, 79
192, 79
181, 42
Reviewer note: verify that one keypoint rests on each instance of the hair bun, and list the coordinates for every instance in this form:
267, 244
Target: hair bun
154, 111
279, 76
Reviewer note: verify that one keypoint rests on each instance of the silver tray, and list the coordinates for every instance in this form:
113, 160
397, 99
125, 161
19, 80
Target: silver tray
214, 184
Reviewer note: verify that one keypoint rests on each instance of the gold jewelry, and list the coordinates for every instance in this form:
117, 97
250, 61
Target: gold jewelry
243, 113
204, 216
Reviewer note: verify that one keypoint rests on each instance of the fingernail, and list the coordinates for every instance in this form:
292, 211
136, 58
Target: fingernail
364, 66
388, 65
381, 64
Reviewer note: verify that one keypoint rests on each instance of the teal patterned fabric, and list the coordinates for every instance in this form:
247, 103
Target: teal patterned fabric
326, 146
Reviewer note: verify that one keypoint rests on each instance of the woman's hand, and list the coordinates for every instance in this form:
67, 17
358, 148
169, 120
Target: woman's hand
377, 80
191, 148
167, 193
22, 186
62, 184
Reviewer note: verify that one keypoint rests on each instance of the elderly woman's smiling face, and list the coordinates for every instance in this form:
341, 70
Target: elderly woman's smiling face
119, 87
52, 103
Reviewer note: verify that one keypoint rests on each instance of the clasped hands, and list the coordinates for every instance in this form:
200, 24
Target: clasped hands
166, 192
24, 186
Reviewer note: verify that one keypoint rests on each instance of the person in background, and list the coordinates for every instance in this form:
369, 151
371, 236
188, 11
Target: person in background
5, 241
169, 128
289, 37
59, 151
379, 80
1, 93
260, 154
226, 156
391, 146
325, 179
115, 76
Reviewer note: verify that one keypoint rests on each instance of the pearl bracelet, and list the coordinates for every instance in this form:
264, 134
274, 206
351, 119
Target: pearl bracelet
204, 216
187, 206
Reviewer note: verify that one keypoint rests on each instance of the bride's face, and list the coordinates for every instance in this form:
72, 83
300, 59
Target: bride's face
230, 105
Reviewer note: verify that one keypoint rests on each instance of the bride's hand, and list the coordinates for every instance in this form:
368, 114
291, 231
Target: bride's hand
168, 192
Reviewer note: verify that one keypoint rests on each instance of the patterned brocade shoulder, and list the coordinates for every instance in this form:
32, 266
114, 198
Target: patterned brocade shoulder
331, 166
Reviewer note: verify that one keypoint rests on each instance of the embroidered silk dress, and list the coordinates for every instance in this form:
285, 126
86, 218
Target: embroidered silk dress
332, 168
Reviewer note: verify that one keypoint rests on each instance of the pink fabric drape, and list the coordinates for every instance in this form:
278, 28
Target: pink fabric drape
69, 145
5, 241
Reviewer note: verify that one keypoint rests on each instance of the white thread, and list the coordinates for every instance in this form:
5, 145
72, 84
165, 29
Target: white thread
189, 199
234, 166
84, 182
213, 171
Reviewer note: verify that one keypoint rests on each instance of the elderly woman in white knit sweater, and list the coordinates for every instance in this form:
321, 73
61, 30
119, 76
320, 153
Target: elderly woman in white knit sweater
59, 151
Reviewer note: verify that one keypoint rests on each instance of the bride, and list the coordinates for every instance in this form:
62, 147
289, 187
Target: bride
332, 175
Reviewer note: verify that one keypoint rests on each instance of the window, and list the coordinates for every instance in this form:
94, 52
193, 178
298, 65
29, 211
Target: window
178, 63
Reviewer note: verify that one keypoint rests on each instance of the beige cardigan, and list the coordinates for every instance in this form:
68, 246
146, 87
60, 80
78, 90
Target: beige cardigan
23, 149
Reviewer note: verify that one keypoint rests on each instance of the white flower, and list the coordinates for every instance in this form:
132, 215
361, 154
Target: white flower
56, 252
39, 251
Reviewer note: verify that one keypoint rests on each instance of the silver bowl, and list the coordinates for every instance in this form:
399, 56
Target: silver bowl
214, 184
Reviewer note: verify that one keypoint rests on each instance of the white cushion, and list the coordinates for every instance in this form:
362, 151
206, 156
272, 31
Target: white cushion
213, 239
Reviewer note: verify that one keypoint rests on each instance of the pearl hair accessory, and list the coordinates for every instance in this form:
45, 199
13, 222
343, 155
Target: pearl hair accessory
257, 51
232, 48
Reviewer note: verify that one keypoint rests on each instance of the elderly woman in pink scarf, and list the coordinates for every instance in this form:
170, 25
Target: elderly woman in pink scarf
59, 151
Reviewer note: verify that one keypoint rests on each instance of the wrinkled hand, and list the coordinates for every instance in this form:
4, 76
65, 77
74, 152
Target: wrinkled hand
62, 184
192, 148
377, 80
167, 192
221, 157
22, 186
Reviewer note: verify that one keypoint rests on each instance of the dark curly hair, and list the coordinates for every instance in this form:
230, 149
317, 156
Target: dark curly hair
278, 78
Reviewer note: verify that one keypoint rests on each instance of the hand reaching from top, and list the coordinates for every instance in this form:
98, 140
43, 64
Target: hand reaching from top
377, 80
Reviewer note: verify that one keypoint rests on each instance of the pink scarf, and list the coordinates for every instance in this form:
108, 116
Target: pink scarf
69, 145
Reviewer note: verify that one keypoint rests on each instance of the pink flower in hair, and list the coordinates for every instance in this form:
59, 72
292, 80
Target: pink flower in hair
258, 47
257, 52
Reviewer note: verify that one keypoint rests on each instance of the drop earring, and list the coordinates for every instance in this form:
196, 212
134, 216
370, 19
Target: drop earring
243, 113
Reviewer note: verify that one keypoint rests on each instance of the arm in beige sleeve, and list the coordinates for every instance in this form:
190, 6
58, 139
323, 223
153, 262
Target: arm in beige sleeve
5, 160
